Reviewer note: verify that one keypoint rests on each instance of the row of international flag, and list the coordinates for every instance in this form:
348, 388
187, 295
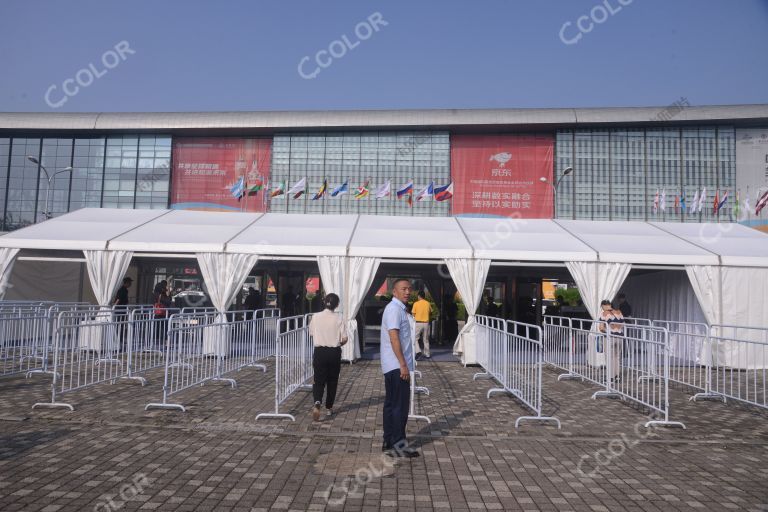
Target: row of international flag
279, 190
720, 201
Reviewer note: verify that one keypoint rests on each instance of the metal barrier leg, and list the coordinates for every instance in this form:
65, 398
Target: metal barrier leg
53, 405
537, 418
164, 404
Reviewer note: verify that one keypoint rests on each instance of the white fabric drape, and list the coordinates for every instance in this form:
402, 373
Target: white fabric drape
734, 296
7, 259
597, 281
707, 285
350, 279
358, 279
105, 270
332, 274
224, 275
469, 275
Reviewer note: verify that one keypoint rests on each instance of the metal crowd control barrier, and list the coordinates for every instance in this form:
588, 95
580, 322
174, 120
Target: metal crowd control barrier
689, 356
23, 340
739, 367
94, 344
637, 368
293, 362
414, 388
201, 348
512, 353
558, 345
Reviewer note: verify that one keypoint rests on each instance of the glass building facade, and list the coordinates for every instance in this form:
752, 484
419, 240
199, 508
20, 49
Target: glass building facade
618, 173
359, 157
129, 171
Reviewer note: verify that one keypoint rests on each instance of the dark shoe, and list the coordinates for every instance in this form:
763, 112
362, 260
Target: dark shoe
385, 447
329, 413
419, 357
406, 453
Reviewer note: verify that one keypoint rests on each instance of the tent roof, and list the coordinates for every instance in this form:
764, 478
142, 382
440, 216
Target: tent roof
524, 240
637, 242
396, 237
736, 245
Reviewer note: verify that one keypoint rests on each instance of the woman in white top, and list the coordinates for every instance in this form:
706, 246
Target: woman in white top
328, 335
615, 321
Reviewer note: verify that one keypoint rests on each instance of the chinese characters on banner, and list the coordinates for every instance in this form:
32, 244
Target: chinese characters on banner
500, 175
205, 169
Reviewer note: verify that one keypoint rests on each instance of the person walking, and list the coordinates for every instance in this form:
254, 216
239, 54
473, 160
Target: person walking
615, 322
328, 335
397, 366
421, 310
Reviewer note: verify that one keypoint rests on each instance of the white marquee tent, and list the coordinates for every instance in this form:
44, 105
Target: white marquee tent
727, 264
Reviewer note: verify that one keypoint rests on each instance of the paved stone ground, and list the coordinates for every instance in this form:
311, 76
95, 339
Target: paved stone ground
109, 454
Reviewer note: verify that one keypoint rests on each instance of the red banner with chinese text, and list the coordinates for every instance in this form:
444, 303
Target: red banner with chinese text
205, 169
500, 175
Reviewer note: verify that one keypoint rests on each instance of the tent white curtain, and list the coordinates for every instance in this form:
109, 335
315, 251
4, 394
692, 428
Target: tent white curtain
224, 275
734, 296
105, 270
469, 275
358, 279
332, 274
707, 285
7, 259
597, 281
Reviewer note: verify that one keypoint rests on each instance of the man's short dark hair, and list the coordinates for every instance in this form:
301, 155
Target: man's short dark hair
400, 280
421, 294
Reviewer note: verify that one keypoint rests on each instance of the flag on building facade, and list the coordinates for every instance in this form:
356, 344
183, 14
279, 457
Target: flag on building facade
683, 206
656, 202
280, 190
340, 190
695, 202
238, 188
256, 187
363, 191
761, 202
722, 202
717, 201
405, 189
702, 198
677, 203
298, 188
737, 205
444, 193
747, 207
426, 192
663, 202
322, 191
383, 190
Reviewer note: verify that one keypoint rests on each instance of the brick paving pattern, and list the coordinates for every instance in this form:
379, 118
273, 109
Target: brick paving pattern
109, 454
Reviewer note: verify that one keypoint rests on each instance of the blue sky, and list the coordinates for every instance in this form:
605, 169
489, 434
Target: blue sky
192, 55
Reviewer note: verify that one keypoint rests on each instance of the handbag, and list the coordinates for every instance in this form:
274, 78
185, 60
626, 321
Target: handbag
159, 309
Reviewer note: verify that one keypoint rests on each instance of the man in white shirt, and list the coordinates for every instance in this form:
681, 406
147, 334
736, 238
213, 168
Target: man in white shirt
397, 366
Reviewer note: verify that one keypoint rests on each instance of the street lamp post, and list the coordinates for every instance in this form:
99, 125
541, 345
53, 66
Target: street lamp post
51, 177
566, 172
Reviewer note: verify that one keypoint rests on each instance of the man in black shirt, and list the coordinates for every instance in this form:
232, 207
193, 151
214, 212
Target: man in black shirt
121, 312
624, 306
121, 298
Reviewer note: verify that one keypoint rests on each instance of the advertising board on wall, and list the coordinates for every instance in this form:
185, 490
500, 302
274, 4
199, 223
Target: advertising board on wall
500, 175
206, 169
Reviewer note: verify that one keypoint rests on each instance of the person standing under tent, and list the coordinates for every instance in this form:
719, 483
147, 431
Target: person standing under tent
421, 310
615, 321
397, 366
328, 336
624, 306
121, 311
161, 298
